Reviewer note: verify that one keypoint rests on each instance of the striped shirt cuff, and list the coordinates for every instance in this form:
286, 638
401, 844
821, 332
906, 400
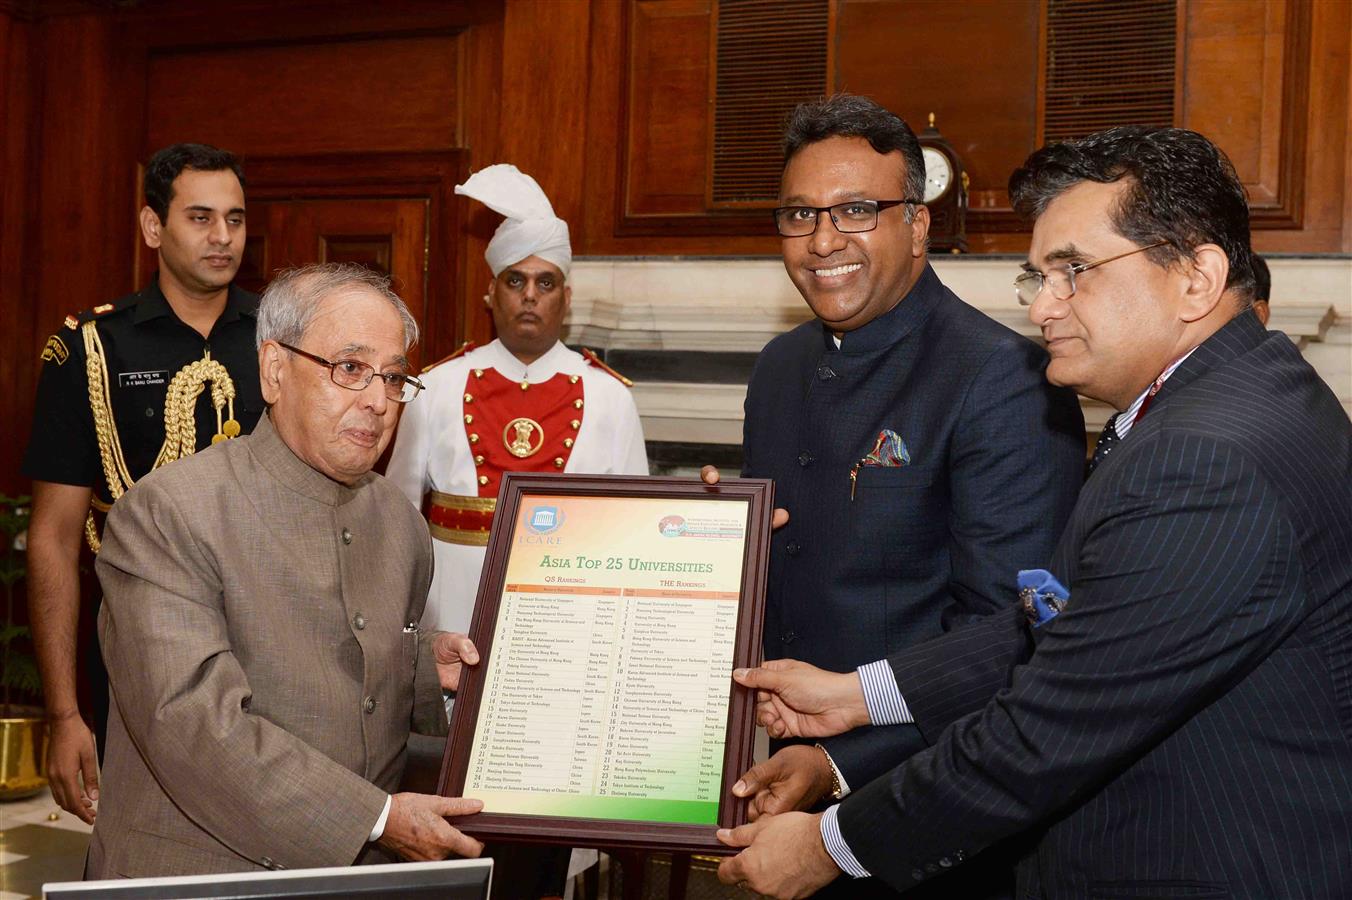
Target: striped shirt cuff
836, 846
883, 698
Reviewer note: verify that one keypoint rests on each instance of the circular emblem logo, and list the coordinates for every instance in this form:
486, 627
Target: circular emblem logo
523, 437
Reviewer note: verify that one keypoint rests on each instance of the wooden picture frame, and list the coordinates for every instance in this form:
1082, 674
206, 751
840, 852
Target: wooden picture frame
509, 524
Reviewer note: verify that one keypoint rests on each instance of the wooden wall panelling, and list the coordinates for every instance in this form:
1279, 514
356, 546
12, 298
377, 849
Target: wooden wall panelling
605, 229
763, 63
528, 88
668, 108
21, 341
1326, 169
388, 234
1247, 88
974, 65
331, 97
605, 132
480, 107
1347, 136
545, 67
660, 121
207, 23
424, 177
87, 120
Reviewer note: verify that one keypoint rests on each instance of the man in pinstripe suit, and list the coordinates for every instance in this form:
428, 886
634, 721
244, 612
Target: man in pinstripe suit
1177, 720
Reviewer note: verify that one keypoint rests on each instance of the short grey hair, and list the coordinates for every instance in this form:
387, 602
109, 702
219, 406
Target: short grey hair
293, 296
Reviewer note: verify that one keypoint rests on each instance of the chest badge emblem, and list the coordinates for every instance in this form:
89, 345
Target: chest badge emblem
524, 437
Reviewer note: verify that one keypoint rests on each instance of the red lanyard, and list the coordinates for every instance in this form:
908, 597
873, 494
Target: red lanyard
1155, 388
1150, 395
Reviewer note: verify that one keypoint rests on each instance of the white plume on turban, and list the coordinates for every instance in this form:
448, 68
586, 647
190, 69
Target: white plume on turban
531, 228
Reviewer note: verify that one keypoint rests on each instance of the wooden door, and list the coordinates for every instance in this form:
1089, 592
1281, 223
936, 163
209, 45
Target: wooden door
387, 236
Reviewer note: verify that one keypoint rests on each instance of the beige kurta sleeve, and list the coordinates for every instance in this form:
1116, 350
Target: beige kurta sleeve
184, 699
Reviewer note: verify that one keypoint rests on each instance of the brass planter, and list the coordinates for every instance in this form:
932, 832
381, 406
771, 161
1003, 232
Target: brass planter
23, 752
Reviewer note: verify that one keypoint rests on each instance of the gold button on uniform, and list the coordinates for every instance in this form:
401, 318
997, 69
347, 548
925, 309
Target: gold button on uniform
558, 462
576, 424
479, 460
568, 442
577, 404
469, 398
474, 439
483, 479
359, 622
469, 420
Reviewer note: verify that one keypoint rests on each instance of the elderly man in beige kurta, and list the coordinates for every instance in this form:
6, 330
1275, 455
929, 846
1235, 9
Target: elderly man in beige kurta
260, 620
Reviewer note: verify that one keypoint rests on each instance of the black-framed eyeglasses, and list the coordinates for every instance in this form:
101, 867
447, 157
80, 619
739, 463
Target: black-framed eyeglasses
356, 375
1060, 280
850, 217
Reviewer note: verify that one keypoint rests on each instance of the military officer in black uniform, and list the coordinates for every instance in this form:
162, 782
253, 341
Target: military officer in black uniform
125, 387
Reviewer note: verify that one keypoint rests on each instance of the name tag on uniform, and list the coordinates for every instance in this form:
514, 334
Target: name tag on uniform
141, 379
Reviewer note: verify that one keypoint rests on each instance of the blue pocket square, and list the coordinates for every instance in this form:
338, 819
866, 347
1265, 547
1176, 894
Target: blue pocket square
1041, 596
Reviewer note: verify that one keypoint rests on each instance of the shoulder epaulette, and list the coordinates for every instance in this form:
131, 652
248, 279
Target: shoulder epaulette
594, 360
466, 347
98, 312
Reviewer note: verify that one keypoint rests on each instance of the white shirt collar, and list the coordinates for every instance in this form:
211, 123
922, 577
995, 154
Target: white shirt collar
546, 367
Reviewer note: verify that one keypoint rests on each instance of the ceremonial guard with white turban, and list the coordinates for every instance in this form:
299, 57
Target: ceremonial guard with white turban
523, 403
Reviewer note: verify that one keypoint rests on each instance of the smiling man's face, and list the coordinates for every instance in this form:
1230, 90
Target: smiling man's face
850, 279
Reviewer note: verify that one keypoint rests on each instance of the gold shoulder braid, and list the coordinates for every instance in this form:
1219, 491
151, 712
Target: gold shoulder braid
180, 432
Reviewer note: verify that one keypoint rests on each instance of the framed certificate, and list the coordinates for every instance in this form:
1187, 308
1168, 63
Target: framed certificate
611, 613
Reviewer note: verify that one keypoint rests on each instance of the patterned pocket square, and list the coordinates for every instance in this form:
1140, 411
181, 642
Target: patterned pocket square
889, 451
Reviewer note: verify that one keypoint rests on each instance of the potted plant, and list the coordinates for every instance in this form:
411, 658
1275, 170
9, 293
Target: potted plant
23, 727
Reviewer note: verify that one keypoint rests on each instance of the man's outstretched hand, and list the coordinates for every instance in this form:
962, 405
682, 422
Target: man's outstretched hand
794, 699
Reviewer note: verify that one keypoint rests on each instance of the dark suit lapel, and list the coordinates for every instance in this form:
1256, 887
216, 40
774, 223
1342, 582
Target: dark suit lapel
1238, 336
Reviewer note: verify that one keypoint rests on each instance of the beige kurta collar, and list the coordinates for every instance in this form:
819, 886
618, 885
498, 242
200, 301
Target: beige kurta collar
267, 446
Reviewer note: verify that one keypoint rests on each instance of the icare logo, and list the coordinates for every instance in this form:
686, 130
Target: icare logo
671, 526
544, 520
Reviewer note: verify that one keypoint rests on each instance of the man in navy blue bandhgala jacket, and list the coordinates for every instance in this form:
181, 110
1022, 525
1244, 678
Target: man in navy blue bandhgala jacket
920, 452
1169, 711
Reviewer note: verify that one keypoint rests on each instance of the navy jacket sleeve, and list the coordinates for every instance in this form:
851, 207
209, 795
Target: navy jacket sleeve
1185, 577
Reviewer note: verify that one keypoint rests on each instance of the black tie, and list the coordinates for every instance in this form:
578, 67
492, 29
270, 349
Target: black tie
1106, 442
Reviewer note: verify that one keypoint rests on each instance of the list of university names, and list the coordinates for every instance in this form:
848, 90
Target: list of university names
606, 692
